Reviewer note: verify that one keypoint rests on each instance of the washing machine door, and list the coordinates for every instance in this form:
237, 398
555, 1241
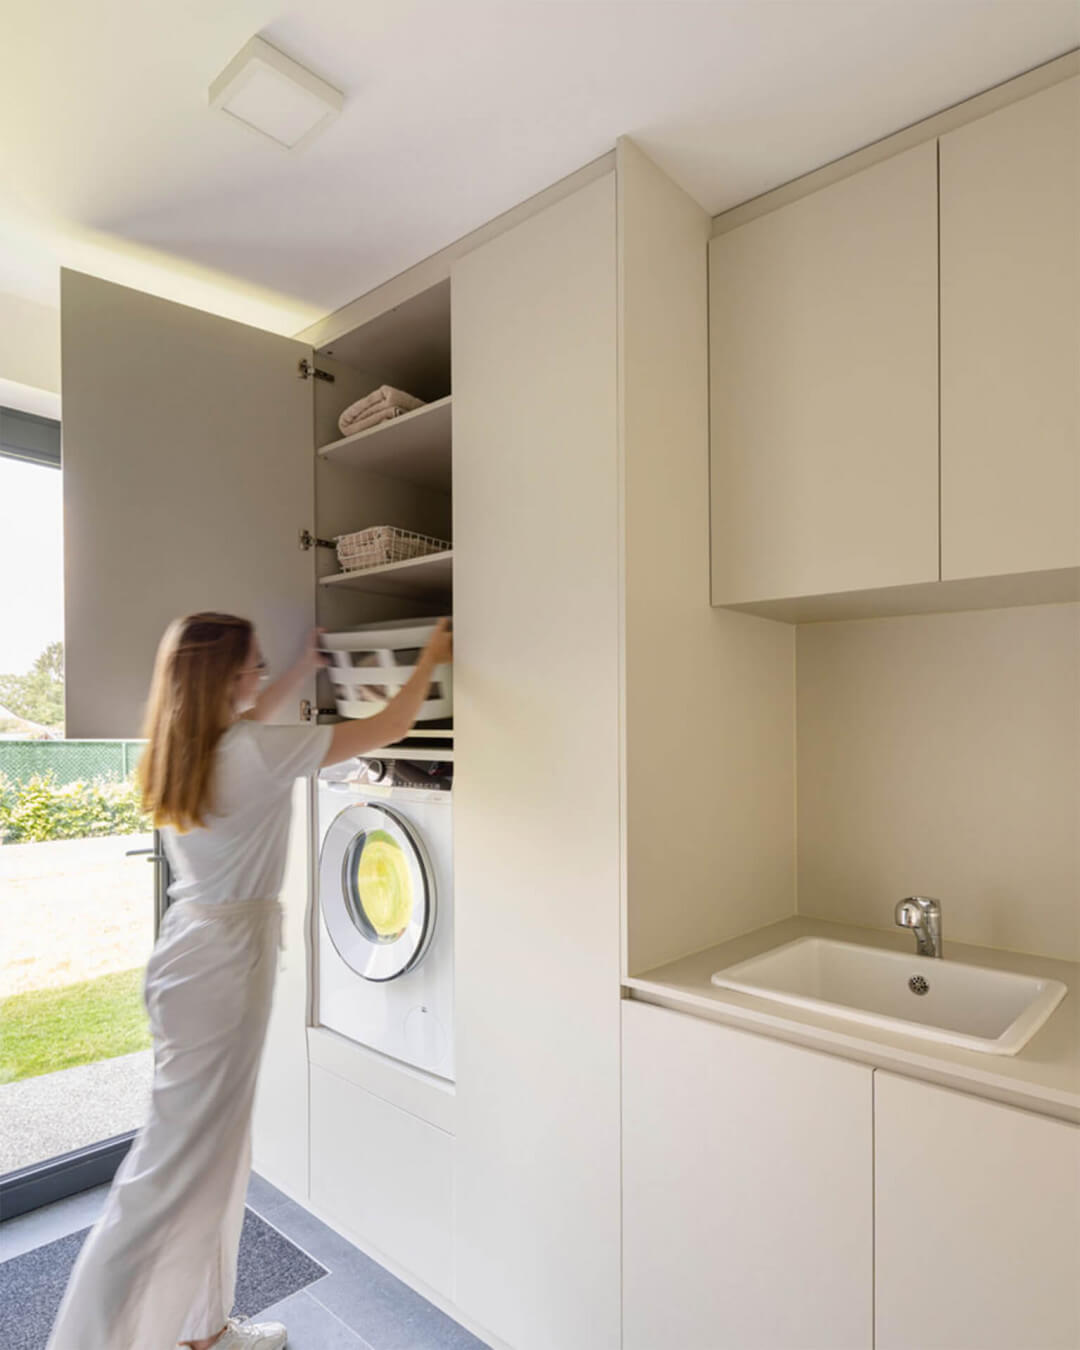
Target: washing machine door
377, 891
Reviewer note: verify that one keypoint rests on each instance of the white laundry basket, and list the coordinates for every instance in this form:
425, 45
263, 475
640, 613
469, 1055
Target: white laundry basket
369, 665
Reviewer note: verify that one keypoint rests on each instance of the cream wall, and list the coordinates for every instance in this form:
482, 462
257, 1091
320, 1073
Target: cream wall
29, 343
940, 754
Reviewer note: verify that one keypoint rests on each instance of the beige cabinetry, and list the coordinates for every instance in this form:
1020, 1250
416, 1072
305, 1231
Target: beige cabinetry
977, 1206
824, 390
895, 383
536, 790
1010, 339
747, 1190
777, 1196
187, 443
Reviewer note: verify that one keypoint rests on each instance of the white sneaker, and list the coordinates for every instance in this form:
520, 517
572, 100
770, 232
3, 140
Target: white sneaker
240, 1334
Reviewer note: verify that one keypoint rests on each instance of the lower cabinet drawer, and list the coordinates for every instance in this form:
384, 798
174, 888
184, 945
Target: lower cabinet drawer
384, 1176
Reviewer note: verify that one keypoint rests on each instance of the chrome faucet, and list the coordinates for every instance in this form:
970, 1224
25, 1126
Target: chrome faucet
922, 914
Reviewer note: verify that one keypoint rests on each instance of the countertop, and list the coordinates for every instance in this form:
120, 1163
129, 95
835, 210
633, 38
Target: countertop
1043, 1077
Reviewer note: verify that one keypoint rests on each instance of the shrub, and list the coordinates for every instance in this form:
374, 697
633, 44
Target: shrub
42, 809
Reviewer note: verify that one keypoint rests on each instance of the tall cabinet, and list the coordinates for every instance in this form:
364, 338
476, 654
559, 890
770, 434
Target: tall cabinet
536, 791
204, 469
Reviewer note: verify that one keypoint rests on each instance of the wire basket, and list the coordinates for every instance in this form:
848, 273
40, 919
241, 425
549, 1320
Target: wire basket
369, 665
383, 544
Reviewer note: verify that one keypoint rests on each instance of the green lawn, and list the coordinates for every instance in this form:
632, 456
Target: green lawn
52, 1029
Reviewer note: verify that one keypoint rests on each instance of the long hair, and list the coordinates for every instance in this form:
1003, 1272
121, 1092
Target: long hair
190, 707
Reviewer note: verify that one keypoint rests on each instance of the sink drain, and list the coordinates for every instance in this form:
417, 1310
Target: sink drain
917, 985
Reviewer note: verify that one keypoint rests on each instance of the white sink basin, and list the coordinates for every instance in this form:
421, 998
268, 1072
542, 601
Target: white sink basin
995, 1011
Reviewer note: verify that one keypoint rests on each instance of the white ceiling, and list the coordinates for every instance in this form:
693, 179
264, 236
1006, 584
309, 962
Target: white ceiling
111, 161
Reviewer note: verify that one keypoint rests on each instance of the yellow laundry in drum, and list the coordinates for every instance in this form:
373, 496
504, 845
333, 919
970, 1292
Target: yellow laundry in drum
383, 884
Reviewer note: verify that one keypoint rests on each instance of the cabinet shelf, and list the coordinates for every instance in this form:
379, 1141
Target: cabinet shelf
415, 448
430, 575
422, 754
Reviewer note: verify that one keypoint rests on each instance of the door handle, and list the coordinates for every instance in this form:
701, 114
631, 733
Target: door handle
150, 854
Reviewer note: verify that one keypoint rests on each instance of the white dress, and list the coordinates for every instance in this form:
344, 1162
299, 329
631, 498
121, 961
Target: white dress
160, 1265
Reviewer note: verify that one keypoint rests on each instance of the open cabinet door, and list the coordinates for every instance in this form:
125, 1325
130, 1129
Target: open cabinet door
188, 475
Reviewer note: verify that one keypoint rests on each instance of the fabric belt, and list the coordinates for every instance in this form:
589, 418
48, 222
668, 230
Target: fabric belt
223, 909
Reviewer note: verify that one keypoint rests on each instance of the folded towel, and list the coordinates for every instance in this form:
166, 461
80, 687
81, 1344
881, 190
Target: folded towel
396, 398
383, 397
370, 419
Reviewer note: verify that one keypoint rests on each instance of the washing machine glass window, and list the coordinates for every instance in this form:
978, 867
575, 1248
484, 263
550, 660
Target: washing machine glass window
378, 885
377, 891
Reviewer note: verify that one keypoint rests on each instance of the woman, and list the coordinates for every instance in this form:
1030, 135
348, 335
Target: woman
160, 1266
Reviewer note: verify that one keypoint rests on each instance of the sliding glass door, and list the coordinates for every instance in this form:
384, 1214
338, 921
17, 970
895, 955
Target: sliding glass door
81, 884
79, 918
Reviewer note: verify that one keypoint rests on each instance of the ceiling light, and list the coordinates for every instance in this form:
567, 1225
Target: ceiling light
267, 90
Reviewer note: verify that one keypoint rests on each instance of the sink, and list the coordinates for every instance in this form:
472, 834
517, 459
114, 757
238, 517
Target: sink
995, 1011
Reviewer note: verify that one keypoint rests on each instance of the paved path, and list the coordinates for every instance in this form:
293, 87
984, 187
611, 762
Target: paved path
72, 910
57, 1112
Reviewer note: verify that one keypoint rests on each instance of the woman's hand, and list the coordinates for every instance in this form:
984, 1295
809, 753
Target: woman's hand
440, 648
313, 657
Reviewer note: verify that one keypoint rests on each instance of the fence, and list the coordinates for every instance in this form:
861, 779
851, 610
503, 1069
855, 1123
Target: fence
68, 761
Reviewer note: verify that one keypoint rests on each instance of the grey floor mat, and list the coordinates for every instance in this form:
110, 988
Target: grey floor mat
32, 1285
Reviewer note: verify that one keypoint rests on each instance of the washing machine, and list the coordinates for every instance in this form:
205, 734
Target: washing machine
386, 910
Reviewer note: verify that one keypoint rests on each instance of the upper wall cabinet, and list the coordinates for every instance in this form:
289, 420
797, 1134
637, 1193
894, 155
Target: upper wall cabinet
187, 479
1010, 338
824, 390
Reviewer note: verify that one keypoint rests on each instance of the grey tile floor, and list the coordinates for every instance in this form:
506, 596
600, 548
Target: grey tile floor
358, 1306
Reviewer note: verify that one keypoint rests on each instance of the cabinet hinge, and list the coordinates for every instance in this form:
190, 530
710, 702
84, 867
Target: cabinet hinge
309, 540
308, 371
309, 713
